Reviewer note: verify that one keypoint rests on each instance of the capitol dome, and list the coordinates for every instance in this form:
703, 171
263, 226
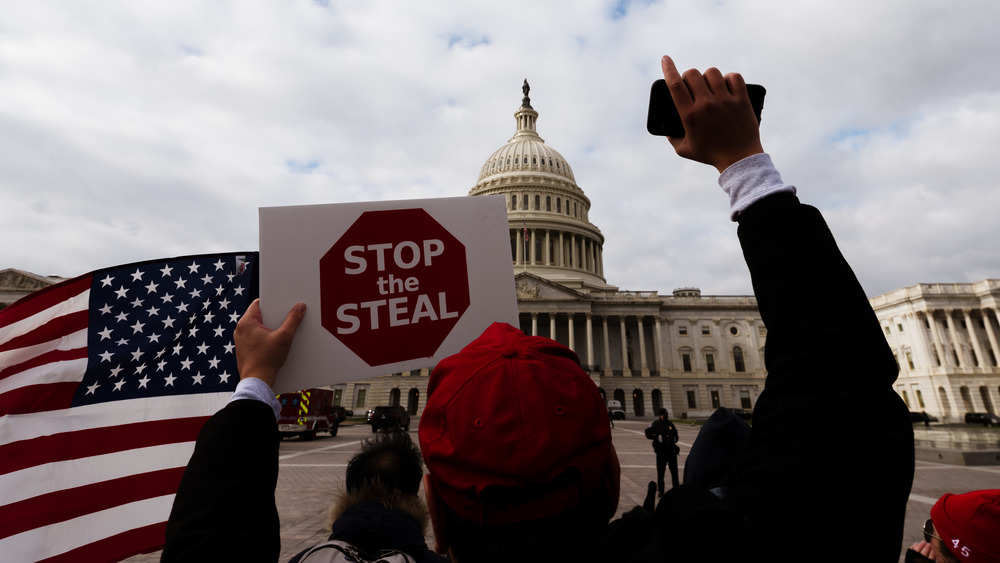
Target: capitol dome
550, 232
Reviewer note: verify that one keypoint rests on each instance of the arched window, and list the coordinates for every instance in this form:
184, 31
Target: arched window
738, 359
538, 202
638, 405
525, 202
394, 397
548, 203
944, 401
558, 205
513, 201
413, 400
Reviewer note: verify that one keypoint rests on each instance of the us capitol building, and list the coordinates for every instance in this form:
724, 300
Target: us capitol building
688, 352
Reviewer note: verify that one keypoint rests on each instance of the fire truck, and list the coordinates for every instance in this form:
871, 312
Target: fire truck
304, 413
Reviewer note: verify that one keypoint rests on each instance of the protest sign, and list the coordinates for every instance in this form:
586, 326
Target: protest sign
389, 286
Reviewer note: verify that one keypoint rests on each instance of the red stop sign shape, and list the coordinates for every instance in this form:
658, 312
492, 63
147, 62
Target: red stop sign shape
393, 286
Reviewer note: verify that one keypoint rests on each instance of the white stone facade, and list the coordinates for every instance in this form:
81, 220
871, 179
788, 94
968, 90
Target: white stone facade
945, 339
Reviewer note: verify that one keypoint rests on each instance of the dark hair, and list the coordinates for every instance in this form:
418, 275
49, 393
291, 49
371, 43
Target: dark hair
389, 458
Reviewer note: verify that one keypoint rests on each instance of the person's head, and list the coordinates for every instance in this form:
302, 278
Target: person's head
663, 414
965, 527
386, 469
518, 448
388, 458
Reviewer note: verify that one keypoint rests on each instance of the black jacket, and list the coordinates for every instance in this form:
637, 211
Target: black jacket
664, 435
797, 488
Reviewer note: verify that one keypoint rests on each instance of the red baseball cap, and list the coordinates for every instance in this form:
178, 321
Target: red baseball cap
514, 430
969, 525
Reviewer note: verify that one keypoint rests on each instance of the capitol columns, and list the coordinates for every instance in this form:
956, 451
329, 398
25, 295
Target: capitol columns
643, 369
534, 324
658, 349
974, 337
552, 326
941, 360
955, 342
624, 335
917, 328
572, 340
590, 340
991, 335
607, 349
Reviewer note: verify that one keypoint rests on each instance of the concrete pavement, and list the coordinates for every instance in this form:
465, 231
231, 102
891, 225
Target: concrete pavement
309, 471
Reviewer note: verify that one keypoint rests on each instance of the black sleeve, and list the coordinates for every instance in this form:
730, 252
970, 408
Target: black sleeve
831, 449
224, 509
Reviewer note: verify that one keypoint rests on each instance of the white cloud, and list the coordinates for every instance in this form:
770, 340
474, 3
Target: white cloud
136, 130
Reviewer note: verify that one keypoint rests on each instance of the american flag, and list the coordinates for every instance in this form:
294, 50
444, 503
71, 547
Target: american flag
105, 381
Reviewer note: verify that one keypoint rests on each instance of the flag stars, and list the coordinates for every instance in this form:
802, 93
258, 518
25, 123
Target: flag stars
198, 378
207, 279
220, 290
182, 308
214, 363
122, 317
143, 382
137, 275
168, 322
193, 268
92, 388
106, 357
106, 282
122, 342
181, 283
219, 331
238, 290
137, 327
169, 380
203, 349
186, 363
229, 347
155, 338
136, 303
177, 350
151, 288
137, 354
140, 368
219, 265
208, 317
106, 309
119, 384
121, 292
106, 333
193, 332
153, 312
115, 371
224, 377
235, 317
195, 294
168, 298
161, 365
165, 271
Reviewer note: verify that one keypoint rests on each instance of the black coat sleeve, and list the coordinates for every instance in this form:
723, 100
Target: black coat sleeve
224, 509
831, 449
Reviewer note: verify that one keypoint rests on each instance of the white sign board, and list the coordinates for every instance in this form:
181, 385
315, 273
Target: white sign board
389, 286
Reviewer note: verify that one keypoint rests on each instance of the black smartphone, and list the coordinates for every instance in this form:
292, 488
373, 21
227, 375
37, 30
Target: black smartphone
664, 120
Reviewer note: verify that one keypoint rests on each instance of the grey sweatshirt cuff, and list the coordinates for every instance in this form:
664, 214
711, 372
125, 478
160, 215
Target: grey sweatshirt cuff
750, 180
256, 390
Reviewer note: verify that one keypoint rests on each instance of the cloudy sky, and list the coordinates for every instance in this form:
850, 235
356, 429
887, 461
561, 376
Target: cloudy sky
138, 130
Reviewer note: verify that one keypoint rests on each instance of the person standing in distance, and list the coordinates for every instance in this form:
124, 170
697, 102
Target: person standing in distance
663, 433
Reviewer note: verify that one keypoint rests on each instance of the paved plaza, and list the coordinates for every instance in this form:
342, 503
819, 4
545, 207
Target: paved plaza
309, 471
